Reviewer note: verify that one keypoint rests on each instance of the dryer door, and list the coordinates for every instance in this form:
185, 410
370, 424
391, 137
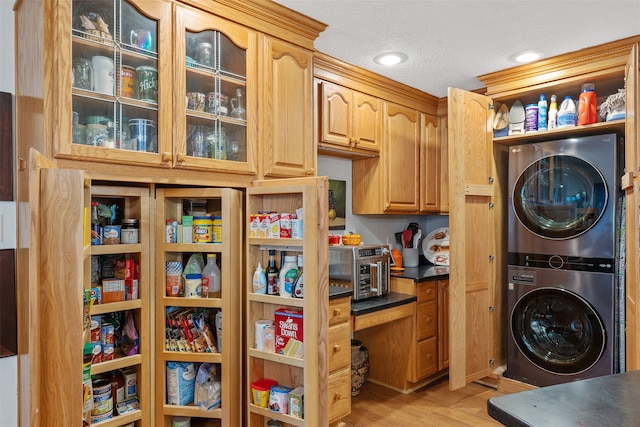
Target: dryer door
558, 331
559, 197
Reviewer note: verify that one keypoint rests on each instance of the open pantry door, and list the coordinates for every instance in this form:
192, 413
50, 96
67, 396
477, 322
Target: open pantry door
472, 187
50, 295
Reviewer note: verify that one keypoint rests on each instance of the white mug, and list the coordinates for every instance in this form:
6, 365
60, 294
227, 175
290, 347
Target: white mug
103, 74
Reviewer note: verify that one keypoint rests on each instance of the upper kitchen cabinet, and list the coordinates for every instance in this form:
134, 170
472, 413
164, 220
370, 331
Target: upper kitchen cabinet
112, 105
286, 122
158, 90
430, 166
349, 121
215, 91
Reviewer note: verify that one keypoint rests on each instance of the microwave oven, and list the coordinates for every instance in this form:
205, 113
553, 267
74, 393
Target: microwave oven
364, 269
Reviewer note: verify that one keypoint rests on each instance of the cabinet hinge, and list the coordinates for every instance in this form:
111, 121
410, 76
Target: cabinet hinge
491, 258
490, 106
491, 205
491, 362
490, 179
491, 308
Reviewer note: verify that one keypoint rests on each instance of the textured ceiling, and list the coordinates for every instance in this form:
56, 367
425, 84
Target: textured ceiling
450, 42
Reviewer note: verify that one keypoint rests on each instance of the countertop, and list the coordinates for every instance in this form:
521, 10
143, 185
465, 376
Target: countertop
392, 299
611, 400
425, 271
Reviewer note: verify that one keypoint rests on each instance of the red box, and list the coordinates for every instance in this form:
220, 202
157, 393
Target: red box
289, 327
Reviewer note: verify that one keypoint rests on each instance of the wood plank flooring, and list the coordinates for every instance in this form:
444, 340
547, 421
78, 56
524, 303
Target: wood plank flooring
432, 406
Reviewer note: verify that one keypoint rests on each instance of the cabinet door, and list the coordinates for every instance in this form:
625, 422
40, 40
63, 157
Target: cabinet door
429, 164
287, 147
215, 94
336, 117
119, 108
472, 237
367, 122
444, 165
443, 324
401, 158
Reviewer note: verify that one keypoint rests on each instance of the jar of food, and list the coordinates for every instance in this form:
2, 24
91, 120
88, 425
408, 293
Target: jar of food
129, 232
204, 54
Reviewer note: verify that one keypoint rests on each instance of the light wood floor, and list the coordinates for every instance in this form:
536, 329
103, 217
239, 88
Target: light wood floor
432, 406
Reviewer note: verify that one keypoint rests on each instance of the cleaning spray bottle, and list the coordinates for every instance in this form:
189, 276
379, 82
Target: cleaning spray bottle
259, 280
553, 113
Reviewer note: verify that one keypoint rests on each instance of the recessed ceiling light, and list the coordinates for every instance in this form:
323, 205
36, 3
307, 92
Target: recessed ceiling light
527, 56
390, 58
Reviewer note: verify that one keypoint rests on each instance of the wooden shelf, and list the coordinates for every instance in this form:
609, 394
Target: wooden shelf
117, 363
116, 249
183, 356
275, 299
191, 411
111, 307
616, 126
192, 302
274, 357
295, 421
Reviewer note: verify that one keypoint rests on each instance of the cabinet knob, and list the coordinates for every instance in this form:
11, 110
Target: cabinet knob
182, 158
337, 348
167, 157
22, 165
429, 291
336, 312
428, 319
310, 172
337, 397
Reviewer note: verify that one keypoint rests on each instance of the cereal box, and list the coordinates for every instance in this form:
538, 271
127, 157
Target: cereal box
112, 290
296, 402
289, 332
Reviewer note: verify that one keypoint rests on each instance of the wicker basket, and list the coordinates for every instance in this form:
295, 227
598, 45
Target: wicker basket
359, 366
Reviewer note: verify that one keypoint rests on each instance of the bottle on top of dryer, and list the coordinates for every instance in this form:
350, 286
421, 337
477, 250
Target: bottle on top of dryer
542, 112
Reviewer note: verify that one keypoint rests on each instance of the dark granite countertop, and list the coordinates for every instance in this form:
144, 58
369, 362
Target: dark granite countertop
611, 400
426, 271
393, 299
338, 292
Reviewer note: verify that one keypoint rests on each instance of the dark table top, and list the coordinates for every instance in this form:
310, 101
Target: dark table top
611, 400
392, 299
425, 271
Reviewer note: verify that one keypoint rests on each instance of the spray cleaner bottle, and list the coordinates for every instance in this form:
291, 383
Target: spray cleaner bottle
553, 113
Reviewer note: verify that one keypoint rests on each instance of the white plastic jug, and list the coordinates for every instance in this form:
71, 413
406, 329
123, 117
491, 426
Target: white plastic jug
567, 113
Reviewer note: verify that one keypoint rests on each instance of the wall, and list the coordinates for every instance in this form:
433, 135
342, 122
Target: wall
373, 228
8, 365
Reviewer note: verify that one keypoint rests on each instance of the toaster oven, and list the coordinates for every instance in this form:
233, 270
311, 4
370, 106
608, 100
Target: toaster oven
364, 269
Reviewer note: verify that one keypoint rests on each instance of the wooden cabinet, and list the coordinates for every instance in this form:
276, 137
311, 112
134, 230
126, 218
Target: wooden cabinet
217, 312
213, 70
444, 165
429, 337
478, 193
286, 146
405, 179
348, 121
309, 371
339, 355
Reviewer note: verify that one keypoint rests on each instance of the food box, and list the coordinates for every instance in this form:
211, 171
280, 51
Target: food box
296, 402
273, 225
112, 290
255, 226
288, 325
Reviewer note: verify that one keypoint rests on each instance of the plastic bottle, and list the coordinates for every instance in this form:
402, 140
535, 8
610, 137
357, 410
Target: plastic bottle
273, 274
288, 274
587, 105
553, 113
542, 112
211, 278
298, 286
567, 113
259, 280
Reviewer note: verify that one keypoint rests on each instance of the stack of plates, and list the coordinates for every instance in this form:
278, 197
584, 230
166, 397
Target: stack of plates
436, 246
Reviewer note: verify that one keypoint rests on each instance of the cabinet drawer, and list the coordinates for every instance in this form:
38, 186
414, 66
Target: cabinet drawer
427, 357
339, 310
426, 291
426, 320
339, 394
339, 347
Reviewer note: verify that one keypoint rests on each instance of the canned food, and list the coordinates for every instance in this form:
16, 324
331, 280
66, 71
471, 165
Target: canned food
128, 81
217, 229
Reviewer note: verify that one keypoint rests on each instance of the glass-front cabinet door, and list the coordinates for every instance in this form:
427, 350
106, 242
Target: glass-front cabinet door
120, 81
214, 93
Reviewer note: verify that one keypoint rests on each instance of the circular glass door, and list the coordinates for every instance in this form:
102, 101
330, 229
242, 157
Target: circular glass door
559, 197
558, 331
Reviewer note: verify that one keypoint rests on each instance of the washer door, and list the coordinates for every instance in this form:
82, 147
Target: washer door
558, 331
559, 197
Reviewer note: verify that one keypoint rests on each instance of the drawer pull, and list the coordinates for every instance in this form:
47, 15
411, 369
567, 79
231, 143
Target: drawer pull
337, 397
429, 291
336, 312
337, 348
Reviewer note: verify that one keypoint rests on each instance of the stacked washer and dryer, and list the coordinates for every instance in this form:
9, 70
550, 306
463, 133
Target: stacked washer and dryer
563, 275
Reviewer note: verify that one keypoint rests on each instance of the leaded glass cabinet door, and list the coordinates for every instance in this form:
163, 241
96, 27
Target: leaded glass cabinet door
215, 92
120, 81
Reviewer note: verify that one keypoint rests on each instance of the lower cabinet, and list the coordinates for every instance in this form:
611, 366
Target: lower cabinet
429, 345
339, 358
